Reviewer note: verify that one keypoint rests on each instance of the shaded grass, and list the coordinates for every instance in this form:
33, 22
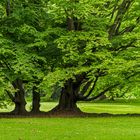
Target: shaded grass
115, 107
116, 128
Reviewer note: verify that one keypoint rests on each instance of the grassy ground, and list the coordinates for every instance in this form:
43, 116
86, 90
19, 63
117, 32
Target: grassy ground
103, 128
111, 107
117, 107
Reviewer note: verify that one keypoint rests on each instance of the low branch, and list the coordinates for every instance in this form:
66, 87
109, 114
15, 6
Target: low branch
81, 97
10, 96
93, 87
130, 28
101, 93
123, 8
121, 48
127, 29
7, 65
114, 9
86, 87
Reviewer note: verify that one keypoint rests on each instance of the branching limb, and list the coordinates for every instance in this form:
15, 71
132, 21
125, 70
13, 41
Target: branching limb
130, 28
101, 93
10, 96
93, 87
86, 87
123, 8
8, 8
122, 47
114, 9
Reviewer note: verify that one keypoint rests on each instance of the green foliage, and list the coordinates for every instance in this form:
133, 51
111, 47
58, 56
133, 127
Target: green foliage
37, 47
90, 48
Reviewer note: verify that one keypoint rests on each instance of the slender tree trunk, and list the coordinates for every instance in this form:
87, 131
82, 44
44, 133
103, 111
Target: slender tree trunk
8, 8
35, 101
70, 24
19, 98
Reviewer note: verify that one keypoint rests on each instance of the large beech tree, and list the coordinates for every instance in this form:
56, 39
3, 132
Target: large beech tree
24, 50
87, 47
100, 47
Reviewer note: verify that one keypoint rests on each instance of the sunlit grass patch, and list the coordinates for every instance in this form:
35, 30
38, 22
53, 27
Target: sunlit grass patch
103, 128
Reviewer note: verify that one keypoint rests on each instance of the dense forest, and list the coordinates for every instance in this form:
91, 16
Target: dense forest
76, 50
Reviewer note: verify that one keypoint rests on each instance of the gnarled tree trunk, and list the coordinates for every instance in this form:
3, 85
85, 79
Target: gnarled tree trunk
19, 98
68, 99
67, 102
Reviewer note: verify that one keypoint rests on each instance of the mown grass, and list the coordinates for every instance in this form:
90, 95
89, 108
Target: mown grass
97, 128
114, 107
103, 128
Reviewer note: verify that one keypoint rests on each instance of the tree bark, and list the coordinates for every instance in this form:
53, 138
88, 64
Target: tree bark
67, 102
19, 98
68, 99
35, 101
8, 8
70, 24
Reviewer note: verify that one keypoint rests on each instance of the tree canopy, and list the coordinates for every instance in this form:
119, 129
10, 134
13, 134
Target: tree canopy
87, 48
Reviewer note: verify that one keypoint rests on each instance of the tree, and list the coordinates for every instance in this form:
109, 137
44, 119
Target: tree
27, 52
15, 61
89, 48
100, 47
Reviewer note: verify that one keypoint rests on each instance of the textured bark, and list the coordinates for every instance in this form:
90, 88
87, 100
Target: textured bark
35, 101
8, 8
68, 99
20, 104
19, 98
70, 24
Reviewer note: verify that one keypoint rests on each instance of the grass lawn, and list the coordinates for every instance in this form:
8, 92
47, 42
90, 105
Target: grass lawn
115, 107
97, 128
103, 128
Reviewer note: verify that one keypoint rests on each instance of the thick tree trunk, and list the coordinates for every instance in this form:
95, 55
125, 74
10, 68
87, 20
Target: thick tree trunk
19, 98
68, 99
67, 102
20, 104
35, 101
